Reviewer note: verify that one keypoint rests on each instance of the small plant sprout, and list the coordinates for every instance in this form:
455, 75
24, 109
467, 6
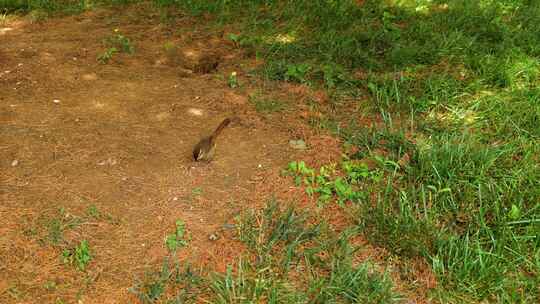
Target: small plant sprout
79, 256
176, 240
107, 55
233, 80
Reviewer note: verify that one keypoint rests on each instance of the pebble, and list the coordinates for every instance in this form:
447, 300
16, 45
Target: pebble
297, 144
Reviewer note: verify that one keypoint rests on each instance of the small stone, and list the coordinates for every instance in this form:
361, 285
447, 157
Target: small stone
14, 163
298, 144
90, 77
195, 112
109, 161
175, 198
56, 100
213, 237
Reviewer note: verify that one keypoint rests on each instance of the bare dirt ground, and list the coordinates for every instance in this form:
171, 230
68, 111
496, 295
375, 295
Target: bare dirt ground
76, 134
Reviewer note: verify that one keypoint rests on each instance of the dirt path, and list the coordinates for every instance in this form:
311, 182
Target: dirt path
76, 134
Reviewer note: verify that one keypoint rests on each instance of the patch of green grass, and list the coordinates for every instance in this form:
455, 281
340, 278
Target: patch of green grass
79, 255
250, 285
460, 205
8, 6
172, 284
346, 282
269, 231
284, 243
47, 6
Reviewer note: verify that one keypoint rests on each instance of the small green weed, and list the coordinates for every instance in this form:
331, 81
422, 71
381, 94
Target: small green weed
197, 191
115, 43
92, 211
79, 256
107, 55
176, 240
58, 224
121, 42
345, 184
297, 72
233, 80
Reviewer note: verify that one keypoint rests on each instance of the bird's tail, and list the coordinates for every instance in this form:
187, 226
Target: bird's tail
220, 128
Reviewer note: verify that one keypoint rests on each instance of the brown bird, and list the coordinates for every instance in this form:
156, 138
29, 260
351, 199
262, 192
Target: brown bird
204, 149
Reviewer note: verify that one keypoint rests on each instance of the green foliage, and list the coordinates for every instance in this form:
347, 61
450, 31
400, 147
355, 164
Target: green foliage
121, 42
7, 6
176, 240
267, 232
107, 55
116, 43
92, 211
233, 80
172, 284
347, 282
48, 6
79, 255
345, 185
282, 238
250, 285
59, 223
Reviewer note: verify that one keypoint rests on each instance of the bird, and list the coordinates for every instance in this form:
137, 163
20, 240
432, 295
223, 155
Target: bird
204, 149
